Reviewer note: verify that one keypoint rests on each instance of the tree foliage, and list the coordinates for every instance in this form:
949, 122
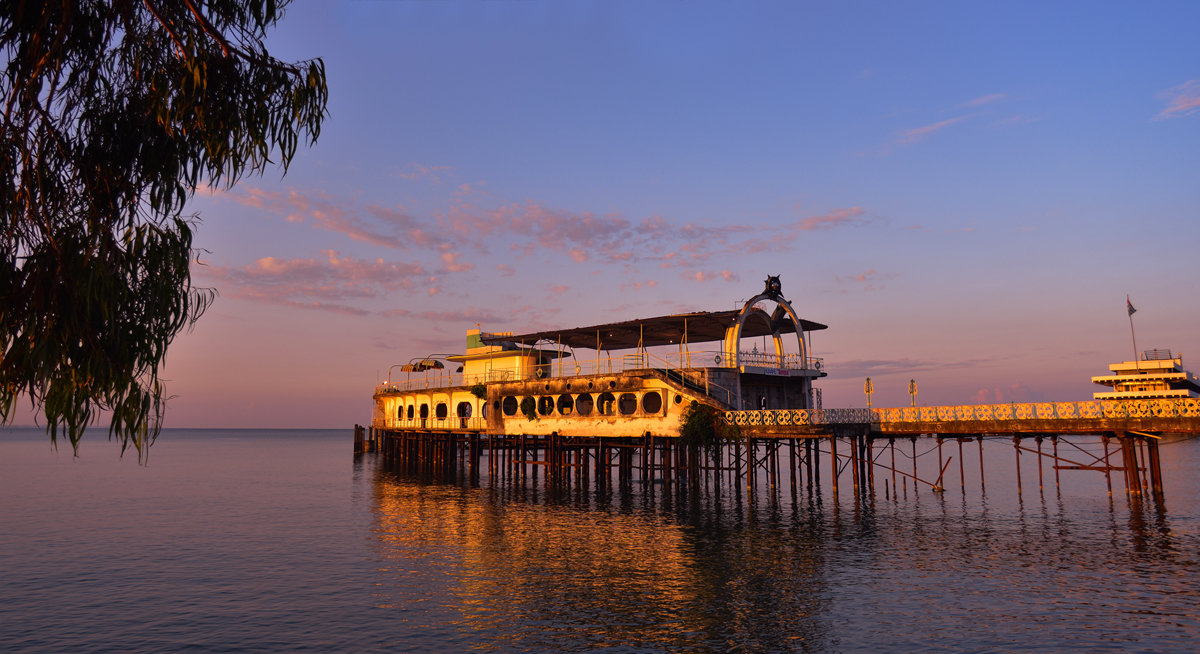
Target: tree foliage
529, 408
703, 426
114, 113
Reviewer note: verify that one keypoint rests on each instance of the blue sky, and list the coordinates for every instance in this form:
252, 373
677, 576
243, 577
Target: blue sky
965, 192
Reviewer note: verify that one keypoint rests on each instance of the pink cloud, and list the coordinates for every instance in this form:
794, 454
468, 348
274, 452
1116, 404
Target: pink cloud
1182, 100
412, 171
908, 137
984, 99
867, 281
708, 276
637, 286
450, 241
830, 219
1015, 392
390, 227
450, 262
779, 240
314, 283
468, 316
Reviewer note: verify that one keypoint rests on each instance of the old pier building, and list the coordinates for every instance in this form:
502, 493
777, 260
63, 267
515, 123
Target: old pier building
593, 400
631, 378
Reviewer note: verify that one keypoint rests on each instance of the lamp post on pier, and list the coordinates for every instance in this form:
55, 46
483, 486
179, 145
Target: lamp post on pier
912, 391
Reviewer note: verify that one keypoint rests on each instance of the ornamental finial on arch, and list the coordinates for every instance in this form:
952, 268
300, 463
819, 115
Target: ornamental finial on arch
773, 288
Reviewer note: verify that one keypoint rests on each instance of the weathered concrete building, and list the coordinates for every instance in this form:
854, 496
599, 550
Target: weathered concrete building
628, 378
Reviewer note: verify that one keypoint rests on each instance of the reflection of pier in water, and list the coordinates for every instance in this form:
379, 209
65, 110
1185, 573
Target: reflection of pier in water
867, 450
525, 561
517, 565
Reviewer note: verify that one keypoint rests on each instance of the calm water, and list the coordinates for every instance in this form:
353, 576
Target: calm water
266, 541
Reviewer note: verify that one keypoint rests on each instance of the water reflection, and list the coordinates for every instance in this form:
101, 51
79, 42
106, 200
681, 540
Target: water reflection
548, 574
512, 565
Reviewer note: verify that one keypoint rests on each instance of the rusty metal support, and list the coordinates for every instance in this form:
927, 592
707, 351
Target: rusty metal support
1156, 485
1017, 447
854, 456
1038, 439
833, 463
914, 449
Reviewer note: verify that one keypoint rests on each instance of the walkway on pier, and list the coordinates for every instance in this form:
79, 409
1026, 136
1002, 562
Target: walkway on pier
1152, 417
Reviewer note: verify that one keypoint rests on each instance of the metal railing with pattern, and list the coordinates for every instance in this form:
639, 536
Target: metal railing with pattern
1031, 411
798, 417
1095, 409
455, 423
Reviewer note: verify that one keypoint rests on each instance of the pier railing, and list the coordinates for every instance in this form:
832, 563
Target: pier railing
799, 417
1112, 409
1028, 411
445, 424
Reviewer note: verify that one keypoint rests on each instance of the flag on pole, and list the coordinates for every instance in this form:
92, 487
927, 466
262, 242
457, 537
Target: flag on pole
1129, 306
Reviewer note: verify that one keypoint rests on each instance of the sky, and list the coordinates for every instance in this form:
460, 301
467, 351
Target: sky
965, 192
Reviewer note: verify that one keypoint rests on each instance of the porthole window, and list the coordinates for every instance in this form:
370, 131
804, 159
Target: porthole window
440, 411
612, 384
652, 402
545, 405
566, 405
510, 406
590, 385
583, 404
627, 405
606, 404
547, 386
678, 399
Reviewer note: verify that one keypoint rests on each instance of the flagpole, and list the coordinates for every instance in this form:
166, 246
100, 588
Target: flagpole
1131, 310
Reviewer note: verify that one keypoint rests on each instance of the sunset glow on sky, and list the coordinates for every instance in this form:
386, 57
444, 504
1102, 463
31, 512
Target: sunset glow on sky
964, 192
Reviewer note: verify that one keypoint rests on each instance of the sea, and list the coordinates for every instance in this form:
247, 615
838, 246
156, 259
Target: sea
284, 540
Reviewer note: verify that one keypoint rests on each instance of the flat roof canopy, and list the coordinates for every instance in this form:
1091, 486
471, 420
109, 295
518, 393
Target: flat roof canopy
665, 330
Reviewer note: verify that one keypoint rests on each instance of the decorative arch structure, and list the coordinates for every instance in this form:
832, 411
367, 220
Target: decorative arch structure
773, 292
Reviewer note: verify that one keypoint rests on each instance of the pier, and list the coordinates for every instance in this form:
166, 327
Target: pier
854, 449
608, 403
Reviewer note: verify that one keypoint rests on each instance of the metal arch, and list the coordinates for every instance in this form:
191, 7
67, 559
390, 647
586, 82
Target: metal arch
732, 348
